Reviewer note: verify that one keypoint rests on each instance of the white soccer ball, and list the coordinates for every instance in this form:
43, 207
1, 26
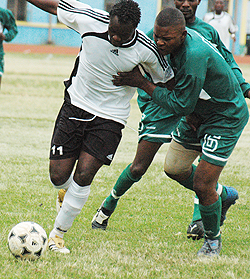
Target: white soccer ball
27, 241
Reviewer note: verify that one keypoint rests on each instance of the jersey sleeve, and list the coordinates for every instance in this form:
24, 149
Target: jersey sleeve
156, 67
9, 24
79, 16
228, 56
189, 82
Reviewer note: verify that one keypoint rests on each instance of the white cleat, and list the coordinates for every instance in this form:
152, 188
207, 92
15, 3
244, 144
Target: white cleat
56, 244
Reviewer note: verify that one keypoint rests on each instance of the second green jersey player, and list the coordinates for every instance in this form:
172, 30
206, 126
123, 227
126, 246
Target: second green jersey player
223, 112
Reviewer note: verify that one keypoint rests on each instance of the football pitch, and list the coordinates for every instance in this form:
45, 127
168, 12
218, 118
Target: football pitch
146, 236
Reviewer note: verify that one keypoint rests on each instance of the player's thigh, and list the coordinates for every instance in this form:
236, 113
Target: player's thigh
145, 154
68, 132
86, 168
179, 159
60, 170
101, 139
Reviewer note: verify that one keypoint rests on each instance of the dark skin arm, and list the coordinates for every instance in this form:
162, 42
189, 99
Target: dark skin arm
136, 79
247, 94
49, 6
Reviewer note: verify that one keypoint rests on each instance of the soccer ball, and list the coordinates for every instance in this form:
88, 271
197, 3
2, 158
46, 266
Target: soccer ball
27, 241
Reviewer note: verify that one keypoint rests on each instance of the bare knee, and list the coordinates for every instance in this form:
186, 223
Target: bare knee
179, 160
137, 170
179, 176
60, 170
58, 179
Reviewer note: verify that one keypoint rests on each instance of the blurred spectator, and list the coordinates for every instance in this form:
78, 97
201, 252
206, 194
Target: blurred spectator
8, 31
222, 22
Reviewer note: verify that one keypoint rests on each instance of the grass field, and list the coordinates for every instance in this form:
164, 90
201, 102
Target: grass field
146, 237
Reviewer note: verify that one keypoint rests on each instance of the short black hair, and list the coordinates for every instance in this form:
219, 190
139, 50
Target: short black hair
127, 11
169, 17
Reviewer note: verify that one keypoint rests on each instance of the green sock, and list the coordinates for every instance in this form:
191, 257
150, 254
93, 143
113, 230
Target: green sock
196, 213
224, 193
123, 183
189, 183
211, 215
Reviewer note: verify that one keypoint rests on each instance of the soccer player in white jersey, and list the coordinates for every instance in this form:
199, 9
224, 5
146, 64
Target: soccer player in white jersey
88, 128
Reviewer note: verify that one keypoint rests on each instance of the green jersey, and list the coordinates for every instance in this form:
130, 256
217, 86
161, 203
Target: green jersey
7, 26
200, 66
154, 113
208, 32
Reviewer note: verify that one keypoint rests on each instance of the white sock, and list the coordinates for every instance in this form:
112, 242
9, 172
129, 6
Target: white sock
73, 202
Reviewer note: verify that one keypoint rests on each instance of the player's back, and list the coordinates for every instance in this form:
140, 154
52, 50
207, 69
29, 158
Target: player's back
223, 97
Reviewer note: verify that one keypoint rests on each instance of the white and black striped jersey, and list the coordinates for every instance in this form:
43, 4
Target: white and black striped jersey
90, 86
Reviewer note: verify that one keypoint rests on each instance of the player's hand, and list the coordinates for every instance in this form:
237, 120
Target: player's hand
133, 78
2, 37
247, 94
171, 84
193, 121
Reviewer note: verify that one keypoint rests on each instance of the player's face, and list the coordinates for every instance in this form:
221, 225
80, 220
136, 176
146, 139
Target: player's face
188, 8
120, 33
169, 39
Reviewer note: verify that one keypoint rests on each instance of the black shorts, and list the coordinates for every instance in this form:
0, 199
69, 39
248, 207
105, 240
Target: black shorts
76, 130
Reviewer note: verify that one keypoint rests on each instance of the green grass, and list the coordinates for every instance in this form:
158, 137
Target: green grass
146, 237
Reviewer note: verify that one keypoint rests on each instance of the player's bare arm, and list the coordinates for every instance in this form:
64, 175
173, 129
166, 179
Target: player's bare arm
134, 79
49, 6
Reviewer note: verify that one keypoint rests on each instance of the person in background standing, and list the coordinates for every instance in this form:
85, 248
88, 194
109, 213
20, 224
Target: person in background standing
7, 21
222, 22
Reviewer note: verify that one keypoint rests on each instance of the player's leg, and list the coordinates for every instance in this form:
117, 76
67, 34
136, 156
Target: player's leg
179, 166
154, 130
74, 199
205, 180
215, 153
89, 139
186, 145
132, 173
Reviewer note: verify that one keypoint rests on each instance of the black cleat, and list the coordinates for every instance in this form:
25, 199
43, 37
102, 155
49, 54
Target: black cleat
195, 230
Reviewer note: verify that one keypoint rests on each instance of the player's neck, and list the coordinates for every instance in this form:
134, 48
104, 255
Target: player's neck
191, 20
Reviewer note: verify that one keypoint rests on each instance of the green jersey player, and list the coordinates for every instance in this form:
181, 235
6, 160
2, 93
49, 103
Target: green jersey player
223, 113
183, 169
155, 128
8, 31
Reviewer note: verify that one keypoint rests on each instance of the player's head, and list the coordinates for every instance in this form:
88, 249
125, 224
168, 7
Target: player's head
219, 6
124, 18
169, 30
188, 8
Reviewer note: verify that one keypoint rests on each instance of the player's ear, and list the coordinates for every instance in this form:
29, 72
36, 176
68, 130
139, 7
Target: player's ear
183, 35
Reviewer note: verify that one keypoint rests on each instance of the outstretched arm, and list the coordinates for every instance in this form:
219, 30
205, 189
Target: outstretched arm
49, 6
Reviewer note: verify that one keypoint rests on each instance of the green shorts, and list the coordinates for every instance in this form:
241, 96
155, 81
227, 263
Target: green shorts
157, 131
216, 149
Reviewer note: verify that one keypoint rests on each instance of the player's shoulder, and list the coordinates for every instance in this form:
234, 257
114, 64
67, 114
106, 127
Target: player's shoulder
145, 41
196, 44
